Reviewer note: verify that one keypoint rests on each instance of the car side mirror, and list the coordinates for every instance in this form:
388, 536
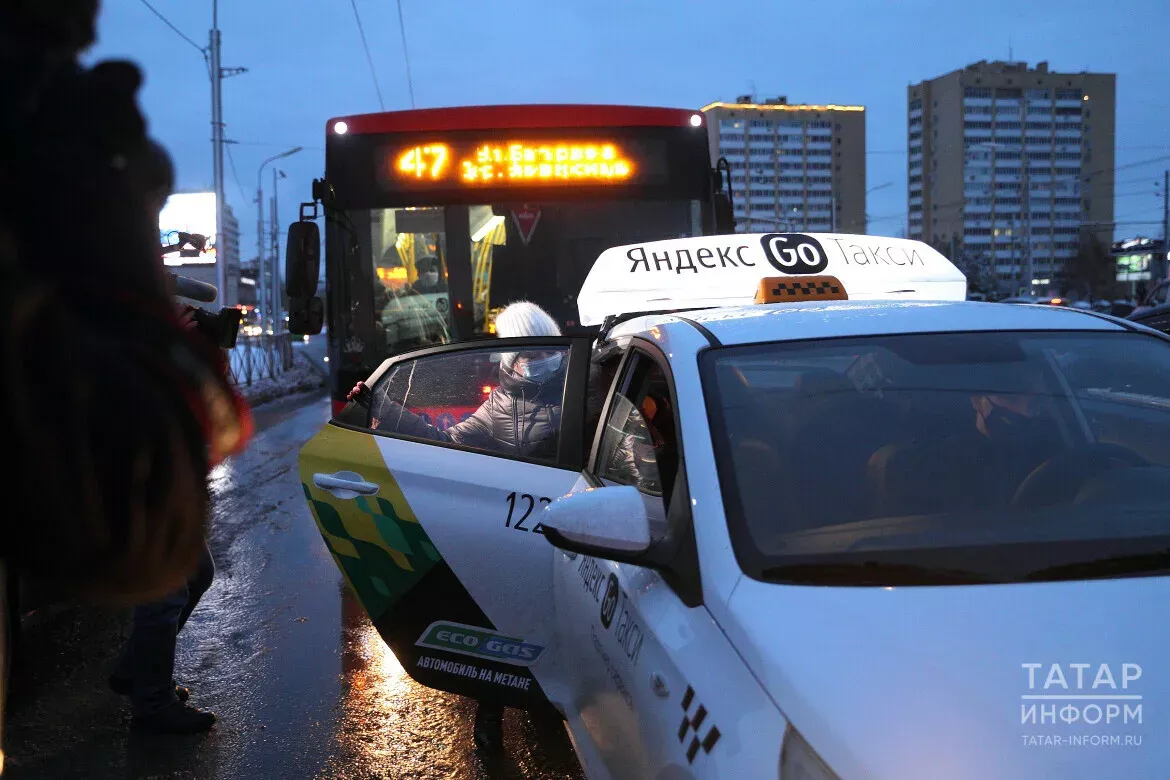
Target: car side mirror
607, 522
302, 260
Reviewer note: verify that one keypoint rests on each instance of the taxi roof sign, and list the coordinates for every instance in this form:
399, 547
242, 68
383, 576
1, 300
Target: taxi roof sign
727, 270
787, 289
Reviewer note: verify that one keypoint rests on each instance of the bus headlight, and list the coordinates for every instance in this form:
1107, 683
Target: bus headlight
798, 761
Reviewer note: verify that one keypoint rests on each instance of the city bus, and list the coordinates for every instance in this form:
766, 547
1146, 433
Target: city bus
435, 219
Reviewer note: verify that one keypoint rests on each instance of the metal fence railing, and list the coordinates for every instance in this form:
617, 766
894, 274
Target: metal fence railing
264, 356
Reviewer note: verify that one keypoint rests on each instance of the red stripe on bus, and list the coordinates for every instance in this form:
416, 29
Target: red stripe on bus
522, 117
338, 406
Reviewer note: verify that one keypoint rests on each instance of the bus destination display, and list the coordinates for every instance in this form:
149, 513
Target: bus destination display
519, 163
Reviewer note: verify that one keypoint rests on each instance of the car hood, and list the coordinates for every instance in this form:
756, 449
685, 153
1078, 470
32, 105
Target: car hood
924, 683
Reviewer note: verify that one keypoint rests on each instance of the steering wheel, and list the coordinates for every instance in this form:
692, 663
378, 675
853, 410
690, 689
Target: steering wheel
1061, 476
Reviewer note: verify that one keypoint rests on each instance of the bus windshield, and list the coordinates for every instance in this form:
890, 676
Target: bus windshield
501, 253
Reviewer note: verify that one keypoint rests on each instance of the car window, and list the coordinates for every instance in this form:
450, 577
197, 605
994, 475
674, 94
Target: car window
507, 403
638, 444
955, 448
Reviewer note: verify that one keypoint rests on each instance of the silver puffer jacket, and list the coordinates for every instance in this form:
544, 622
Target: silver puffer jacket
520, 417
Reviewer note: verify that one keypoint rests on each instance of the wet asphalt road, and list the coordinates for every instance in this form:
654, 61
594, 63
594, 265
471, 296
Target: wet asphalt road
302, 684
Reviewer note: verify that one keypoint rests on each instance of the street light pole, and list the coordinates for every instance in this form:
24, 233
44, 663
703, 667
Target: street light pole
277, 296
264, 292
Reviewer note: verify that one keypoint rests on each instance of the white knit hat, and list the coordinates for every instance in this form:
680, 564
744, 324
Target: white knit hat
520, 319
525, 319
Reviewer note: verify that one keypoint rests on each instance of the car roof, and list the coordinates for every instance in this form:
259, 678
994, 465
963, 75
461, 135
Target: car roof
756, 323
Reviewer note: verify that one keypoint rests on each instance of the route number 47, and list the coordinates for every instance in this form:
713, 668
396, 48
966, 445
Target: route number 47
520, 506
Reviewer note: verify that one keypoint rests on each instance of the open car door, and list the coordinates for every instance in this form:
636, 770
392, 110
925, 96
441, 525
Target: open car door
427, 489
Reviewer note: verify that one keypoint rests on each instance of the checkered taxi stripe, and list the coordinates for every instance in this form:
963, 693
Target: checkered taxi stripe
692, 725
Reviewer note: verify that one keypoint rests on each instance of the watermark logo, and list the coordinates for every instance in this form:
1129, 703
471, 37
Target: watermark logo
479, 643
1099, 704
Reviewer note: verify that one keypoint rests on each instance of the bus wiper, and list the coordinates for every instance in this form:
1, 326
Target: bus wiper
872, 573
1103, 568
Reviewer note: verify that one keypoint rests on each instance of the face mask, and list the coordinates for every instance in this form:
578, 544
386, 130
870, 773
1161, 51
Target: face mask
430, 277
539, 369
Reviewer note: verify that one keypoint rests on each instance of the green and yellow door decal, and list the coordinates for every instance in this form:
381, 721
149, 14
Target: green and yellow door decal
363, 516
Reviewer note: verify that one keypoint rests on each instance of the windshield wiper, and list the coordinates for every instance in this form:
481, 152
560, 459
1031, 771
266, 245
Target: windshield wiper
872, 573
1102, 568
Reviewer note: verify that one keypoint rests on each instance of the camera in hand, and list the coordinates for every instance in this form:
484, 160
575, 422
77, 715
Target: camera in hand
222, 327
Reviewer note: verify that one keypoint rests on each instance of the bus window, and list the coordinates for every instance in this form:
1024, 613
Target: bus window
412, 304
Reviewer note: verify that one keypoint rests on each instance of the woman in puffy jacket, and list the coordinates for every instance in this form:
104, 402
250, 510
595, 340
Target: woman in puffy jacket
521, 416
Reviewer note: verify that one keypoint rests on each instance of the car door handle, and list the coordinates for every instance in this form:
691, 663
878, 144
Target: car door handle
345, 484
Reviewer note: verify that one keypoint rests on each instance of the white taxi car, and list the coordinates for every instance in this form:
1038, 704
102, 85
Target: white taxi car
817, 517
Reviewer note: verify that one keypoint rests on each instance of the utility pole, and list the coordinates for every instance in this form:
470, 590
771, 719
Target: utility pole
262, 292
1164, 271
217, 74
277, 298
1026, 200
217, 151
262, 267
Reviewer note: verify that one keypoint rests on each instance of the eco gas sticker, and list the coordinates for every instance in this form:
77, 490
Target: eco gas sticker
479, 643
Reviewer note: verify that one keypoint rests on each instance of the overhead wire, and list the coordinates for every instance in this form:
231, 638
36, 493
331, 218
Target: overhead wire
235, 174
369, 57
174, 29
405, 54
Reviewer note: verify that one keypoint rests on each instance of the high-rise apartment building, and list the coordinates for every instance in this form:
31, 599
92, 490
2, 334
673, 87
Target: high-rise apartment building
793, 167
1014, 164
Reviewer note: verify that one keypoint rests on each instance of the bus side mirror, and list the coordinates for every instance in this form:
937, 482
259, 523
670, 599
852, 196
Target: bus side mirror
724, 215
306, 316
302, 260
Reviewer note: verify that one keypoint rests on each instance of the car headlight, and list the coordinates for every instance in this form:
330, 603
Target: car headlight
798, 761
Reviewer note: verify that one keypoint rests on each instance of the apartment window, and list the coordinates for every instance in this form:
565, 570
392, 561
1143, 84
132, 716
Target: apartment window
977, 125
761, 123
1045, 126
1008, 125
916, 105
1008, 92
761, 137
1038, 94
1068, 111
916, 149
978, 93
976, 110
1068, 94
1001, 154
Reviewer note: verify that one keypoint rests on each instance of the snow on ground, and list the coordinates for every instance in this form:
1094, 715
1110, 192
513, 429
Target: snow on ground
302, 377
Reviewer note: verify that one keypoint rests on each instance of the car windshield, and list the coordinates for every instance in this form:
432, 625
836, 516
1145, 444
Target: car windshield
935, 458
